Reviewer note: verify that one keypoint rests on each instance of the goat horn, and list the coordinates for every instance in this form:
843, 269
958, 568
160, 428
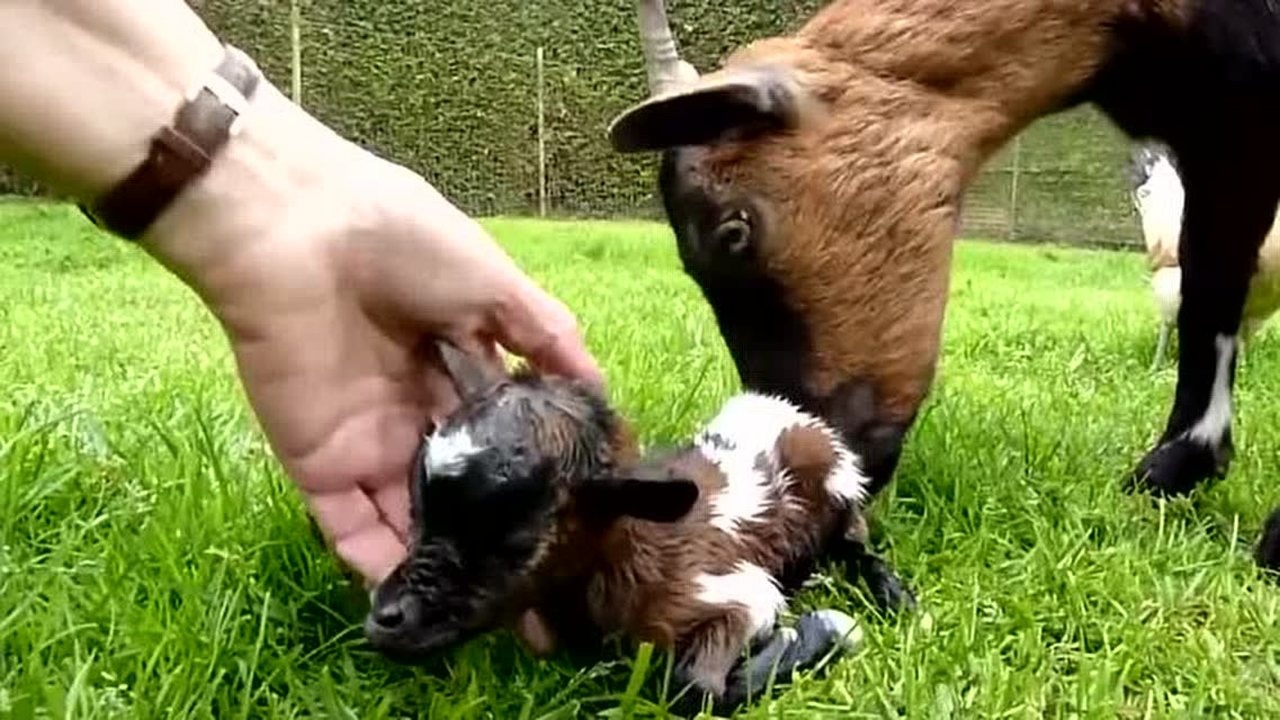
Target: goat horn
662, 60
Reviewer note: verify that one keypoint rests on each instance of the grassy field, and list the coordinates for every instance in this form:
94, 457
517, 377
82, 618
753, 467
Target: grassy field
154, 562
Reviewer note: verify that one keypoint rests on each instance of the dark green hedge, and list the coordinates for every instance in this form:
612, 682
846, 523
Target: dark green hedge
449, 89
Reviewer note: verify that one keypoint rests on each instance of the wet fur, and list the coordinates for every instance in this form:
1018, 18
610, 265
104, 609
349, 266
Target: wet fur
643, 584
618, 543
644, 581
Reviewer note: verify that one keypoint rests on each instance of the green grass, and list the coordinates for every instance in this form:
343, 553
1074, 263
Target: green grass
154, 562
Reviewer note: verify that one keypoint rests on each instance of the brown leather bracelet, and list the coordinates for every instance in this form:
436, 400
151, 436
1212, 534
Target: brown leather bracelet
181, 151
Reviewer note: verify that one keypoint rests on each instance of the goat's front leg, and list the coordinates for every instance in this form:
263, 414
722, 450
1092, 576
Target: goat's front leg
1227, 214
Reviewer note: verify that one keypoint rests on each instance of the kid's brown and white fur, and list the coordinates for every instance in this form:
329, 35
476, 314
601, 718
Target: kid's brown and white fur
774, 486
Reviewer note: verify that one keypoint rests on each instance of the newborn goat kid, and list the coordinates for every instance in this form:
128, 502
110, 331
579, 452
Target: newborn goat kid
533, 509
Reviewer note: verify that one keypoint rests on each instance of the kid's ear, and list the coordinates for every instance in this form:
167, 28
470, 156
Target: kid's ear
655, 495
470, 376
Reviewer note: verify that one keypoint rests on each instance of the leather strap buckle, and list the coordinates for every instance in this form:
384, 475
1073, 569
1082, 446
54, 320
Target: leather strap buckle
212, 112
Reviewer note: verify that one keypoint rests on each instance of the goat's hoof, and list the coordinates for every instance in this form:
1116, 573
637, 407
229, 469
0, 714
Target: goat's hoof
891, 594
823, 631
694, 699
1177, 467
888, 592
1267, 554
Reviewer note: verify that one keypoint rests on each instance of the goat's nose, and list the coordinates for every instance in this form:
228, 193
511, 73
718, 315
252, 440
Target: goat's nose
389, 616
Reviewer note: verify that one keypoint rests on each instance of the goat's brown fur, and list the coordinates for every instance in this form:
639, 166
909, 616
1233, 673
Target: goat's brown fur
916, 95
814, 184
643, 577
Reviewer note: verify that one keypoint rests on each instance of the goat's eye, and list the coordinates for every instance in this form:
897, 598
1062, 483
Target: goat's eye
733, 235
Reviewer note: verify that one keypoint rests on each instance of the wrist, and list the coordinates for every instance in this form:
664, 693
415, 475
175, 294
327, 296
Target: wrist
111, 73
275, 182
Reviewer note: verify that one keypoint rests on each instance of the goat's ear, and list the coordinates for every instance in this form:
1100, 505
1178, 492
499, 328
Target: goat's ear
651, 494
470, 376
705, 111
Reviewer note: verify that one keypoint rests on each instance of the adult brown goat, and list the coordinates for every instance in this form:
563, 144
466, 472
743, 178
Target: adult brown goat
814, 185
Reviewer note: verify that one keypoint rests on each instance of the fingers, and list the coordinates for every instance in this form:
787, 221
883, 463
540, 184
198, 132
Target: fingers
361, 537
539, 328
476, 293
532, 630
373, 552
392, 502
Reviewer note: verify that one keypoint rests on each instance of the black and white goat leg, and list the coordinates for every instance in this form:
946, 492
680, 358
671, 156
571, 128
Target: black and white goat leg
815, 636
1227, 214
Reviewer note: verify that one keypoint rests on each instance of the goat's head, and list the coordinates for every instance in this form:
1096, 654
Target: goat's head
502, 492
813, 201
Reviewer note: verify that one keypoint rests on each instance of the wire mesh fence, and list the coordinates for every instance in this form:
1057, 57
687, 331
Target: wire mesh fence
503, 106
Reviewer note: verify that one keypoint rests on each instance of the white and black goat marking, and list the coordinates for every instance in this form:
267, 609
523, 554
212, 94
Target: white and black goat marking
747, 429
750, 587
448, 451
1212, 427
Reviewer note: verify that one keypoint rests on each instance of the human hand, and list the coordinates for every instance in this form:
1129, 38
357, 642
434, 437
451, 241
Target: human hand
331, 290
331, 270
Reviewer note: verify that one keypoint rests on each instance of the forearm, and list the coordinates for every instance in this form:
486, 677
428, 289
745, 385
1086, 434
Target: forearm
85, 84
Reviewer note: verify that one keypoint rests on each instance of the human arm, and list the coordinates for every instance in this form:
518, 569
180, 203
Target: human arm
327, 266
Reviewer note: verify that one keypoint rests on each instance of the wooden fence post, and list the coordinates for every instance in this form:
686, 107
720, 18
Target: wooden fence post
295, 28
1013, 187
542, 140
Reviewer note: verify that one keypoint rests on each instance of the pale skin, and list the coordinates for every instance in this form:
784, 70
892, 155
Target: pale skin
330, 269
